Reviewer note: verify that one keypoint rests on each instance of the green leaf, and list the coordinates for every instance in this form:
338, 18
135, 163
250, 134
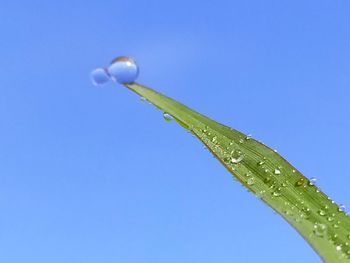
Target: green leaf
265, 173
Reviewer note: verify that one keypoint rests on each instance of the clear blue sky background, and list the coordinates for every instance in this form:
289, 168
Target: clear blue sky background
93, 175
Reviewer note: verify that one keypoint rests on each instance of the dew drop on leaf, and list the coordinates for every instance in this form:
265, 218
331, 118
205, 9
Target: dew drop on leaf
341, 208
321, 212
300, 182
277, 171
320, 229
237, 160
99, 76
250, 181
123, 70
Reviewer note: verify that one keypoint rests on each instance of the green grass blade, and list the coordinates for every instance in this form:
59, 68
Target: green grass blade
265, 173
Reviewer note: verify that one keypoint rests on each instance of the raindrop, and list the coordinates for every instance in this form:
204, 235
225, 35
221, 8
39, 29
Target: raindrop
123, 70
338, 248
99, 76
167, 117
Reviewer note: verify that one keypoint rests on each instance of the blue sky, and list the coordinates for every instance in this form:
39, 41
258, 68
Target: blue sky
94, 175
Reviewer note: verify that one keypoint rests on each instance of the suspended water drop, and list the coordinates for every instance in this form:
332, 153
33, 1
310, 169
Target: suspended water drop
167, 117
123, 70
338, 248
312, 181
99, 76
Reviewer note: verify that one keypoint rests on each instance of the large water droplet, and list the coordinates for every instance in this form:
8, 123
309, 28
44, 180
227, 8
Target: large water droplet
123, 70
99, 76
238, 159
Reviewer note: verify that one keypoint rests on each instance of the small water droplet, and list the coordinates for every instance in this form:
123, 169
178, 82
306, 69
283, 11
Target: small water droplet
321, 212
261, 163
330, 219
313, 180
320, 229
167, 117
99, 76
250, 181
300, 182
277, 193
338, 248
277, 171
123, 70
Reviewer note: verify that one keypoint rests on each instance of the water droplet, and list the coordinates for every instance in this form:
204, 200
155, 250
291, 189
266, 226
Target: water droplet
167, 117
99, 76
300, 182
277, 193
330, 219
320, 229
261, 163
338, 248
250, 181
123, 70
321, 212
341, 208
277, 171
237, 160
313, 180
